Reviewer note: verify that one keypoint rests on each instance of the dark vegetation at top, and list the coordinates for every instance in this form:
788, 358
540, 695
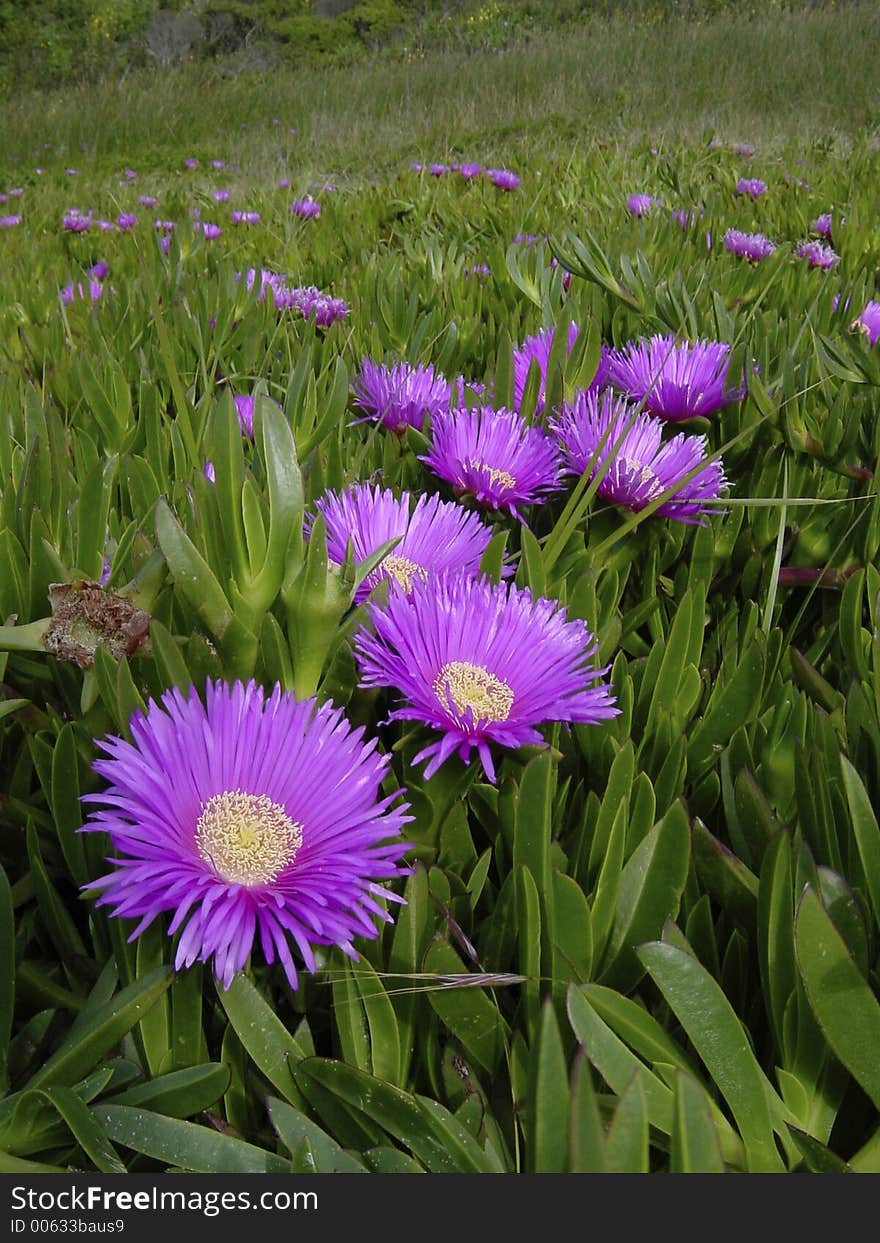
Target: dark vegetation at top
50, 43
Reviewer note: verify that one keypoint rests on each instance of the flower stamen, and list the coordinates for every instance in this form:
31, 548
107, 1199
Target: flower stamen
461, 685
247, 838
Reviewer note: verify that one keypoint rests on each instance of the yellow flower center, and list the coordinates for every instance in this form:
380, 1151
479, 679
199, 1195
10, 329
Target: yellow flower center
496, 477
639, 475
461, 685
247, 839
403, 571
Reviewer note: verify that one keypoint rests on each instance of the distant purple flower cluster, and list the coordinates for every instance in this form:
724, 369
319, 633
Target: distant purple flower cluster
245, 217
751, 246
93, 292
306, 209
75, 221
126, 221
642, 204
817, 255
753, 187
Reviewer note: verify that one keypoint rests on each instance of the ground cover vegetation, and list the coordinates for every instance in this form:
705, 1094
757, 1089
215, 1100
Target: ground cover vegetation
439, 635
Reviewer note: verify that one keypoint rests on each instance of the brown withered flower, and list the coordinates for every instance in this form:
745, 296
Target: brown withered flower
86, 616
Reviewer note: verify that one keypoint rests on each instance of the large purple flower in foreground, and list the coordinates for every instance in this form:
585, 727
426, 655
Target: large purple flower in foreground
869, 322
640, 468
494, 456
247, 816
537, 349
751, 246
402, 395
674, 379
437, 535
481, 663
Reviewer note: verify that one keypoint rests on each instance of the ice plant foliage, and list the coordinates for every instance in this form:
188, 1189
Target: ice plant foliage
638, 466
250, 817
401, 395
481, 663
436, 535
674, 379
493, 456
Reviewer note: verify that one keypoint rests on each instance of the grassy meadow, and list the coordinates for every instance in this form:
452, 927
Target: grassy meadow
644, 941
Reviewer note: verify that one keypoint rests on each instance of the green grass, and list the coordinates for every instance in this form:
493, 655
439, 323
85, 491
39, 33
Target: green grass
777, 81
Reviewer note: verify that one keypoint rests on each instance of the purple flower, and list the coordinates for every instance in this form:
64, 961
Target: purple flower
642, 204
674, 379
209, 472
437, 170
744, 149
221, 196
16, 192
481, 664
306, 209
503, 178
526, 239
415, 167
638, 466
822, 226
99, 271
493, 456
126, 221
130, 175
752, 186
751, 246
92, 292
400, 396
9, 222
868, 322
249, 816
211, 231
165, 244
244, 408
819, 256
478, 269
537, 349
469, 171
75, 221
436, 536
164, 226
217, 165
284, 183
106, 226
71, 172
147, 200
191, 163
245, 217
313, 304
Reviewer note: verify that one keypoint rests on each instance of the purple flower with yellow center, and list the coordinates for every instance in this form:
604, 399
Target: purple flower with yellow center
493, 456
537, 349
674, 379
822, 226
400, 396
754, 187
638, 466
642, 204
434, 536
751, 246
868, 323
481, 663
248, 817
306, 209
817, 255
503, 178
